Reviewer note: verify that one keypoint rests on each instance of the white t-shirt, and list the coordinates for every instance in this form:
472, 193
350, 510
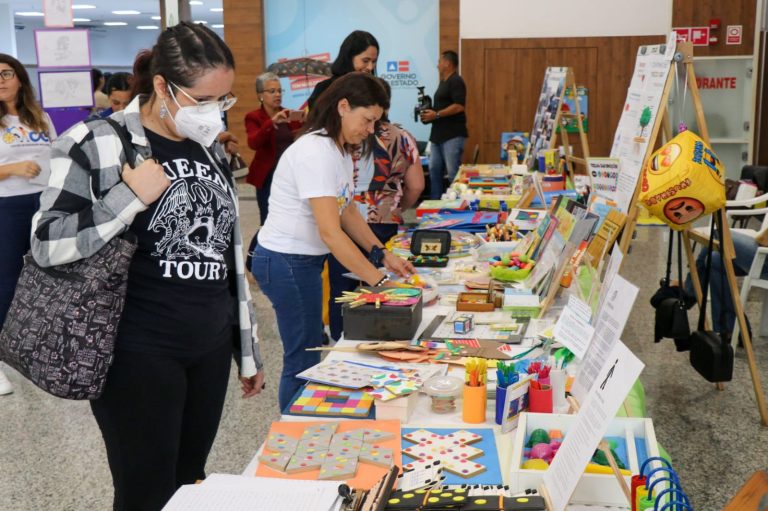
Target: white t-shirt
18, 143
311, 167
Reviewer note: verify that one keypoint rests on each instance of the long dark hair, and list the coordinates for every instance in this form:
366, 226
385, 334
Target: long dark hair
181, 55
30, 111
354, 44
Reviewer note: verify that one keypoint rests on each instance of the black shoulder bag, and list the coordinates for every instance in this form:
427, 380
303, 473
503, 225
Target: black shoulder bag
672, 302
711, 352
61, 327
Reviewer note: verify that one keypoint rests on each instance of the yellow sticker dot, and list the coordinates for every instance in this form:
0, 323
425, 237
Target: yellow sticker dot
408, 496
433, 499
421, 492
459, 498
460, 490
522, 500
481, 501
393, 501
446, 495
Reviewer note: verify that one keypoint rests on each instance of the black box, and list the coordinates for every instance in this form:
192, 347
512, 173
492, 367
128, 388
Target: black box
387, 323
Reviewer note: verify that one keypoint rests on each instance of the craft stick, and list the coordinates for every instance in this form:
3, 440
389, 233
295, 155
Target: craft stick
574, 404
616, 472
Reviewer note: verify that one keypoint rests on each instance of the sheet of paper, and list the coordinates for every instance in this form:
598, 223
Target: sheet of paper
196, 497
609, 325
614, 265
619, 372
63, 48
604, 173
573, 331
580, 307
65, 89
58, 13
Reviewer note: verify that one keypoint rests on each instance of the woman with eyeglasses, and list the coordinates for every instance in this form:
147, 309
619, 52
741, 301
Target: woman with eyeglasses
271, 129
25, 147
187, 303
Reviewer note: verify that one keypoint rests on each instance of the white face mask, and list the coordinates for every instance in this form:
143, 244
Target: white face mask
202, 127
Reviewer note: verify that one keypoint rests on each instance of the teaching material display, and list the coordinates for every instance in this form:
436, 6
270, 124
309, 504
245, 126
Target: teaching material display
320, 400
59, 48
63, 89
548, 107
58, 13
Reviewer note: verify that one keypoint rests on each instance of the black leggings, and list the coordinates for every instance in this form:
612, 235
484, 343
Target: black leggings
159, 416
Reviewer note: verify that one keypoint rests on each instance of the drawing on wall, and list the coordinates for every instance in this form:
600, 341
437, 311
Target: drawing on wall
549, 102
62, 48
63, 89
58, 13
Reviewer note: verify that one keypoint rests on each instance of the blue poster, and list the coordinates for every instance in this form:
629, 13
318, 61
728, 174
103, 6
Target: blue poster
407, 31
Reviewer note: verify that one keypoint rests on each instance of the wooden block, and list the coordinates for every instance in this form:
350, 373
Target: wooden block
319, 431
278, 442
312, 447
338, 468
305, 462
376, 435
277, 461
375, 455
343, 445
452, 450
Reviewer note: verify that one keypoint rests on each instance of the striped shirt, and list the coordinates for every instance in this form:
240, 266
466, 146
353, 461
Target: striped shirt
87, 204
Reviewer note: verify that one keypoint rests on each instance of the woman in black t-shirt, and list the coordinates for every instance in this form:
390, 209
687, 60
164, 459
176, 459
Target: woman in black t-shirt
187, 303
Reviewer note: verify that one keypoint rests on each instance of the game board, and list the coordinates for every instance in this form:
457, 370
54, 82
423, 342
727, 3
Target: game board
359, 452
325, 400
468, 456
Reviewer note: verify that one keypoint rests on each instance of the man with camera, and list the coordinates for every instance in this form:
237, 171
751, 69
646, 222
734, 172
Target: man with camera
449, 123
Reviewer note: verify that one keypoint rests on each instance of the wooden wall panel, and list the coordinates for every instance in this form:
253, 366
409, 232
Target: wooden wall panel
697, 13
449, 25
504, 78
244, 34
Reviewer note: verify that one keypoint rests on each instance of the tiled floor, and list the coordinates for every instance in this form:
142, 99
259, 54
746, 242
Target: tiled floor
51, 456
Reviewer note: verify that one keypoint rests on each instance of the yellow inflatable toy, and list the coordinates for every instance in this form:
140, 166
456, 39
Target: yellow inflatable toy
682, 181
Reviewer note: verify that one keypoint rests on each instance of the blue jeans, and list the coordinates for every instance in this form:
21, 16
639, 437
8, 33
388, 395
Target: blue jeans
16, 214
745, 248
292, 283
445, 155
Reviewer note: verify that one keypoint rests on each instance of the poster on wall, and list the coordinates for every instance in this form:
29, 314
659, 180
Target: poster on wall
549, 102
638, 117
64, 89
569, 107
62, 48
58, 13
407, 32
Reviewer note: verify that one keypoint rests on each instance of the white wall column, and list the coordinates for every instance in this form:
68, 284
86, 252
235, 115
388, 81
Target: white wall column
8, 43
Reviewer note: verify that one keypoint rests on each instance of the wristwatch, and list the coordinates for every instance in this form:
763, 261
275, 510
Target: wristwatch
376, 256
437, 114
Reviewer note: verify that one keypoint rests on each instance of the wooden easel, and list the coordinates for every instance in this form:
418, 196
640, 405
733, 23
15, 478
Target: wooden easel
570, 82
684, 57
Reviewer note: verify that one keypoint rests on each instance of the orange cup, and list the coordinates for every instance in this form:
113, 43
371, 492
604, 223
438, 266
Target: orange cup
475, 400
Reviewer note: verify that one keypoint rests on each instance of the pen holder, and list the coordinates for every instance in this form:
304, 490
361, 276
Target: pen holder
557, 379
475, 399
501, 396
540, 400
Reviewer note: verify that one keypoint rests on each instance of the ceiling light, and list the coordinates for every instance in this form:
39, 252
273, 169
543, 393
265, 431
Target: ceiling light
83, 6
115, 23
129, 12
217, 9
81, 20
195, 2
28, 13
155, 17
148, 27
202, 22
217, 26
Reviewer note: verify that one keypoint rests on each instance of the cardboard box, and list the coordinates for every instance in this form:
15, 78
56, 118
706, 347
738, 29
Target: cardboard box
595, 489
399, 408
387, 323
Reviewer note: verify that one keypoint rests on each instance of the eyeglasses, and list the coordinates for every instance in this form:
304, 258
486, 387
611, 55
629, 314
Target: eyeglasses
274, 91
7, 74
203, 107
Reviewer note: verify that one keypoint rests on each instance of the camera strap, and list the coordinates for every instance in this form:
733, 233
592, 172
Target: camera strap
707, 276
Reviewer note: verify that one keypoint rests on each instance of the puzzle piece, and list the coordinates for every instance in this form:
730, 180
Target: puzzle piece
381, 394
277, 461
338, 468
306, 462
403, 387
345, 446
278, 442
384, 379
312, 446
376, 435
451, 449
376, 455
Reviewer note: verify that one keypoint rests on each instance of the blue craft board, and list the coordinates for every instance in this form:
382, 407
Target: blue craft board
490, 457
642, 451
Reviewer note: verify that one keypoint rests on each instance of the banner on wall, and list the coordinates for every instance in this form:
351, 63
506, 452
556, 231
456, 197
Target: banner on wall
407, 32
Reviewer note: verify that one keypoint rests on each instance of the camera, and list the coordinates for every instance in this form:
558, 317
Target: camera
424, 102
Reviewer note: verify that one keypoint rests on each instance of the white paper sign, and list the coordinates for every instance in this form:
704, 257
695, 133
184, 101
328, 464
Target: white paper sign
580, 307
609, 325
65, 89
604, 174
573, 331
615, 379
614, 265
62, 48
58, 13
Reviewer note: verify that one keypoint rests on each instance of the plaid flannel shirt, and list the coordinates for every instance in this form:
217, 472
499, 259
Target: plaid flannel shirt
73, 223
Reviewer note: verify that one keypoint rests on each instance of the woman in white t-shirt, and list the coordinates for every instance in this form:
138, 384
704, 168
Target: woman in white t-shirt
309, 218
25, 146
